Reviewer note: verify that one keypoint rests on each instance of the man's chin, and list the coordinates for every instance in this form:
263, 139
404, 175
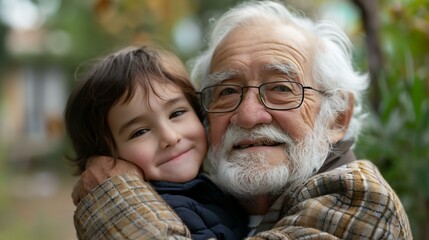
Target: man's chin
255, 178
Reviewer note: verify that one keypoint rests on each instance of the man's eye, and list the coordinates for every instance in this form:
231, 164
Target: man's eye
139, 133
281, 88
177, 113
228, 91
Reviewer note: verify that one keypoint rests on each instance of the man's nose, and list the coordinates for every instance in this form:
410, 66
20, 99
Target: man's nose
251, 111
169, 136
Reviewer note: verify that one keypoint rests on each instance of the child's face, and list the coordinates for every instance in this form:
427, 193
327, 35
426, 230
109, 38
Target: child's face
167, 139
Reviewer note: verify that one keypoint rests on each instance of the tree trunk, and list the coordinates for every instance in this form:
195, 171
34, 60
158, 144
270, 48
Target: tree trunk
368, 10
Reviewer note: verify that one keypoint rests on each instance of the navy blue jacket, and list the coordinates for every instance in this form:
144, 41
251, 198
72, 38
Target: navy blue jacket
206, 210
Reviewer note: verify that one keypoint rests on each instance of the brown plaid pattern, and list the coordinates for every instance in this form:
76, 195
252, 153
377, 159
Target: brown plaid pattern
125, 208
349, 202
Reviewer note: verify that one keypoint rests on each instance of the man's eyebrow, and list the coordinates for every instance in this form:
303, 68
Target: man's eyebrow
288, 69
218, 77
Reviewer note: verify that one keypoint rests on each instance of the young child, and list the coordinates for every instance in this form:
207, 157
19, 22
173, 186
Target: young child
138, 105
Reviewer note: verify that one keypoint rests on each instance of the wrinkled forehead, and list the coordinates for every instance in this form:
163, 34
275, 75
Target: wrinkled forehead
255, 45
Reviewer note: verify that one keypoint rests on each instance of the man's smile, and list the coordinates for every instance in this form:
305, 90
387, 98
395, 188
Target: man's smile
259, 143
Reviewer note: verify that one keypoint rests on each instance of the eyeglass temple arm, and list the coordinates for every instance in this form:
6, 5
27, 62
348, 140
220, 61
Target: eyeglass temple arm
317, 90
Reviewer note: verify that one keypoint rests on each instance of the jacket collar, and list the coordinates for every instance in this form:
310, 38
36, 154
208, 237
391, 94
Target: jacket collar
340, 154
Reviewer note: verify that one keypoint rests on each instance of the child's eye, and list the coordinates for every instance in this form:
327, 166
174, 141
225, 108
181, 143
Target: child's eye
139, 133
177, 113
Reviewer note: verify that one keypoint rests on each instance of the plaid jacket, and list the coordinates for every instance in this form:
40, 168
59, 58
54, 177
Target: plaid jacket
349, 202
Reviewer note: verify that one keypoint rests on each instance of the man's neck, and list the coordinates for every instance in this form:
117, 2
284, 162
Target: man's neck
258, 205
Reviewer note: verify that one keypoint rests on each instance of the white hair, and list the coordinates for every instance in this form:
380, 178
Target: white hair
332, 71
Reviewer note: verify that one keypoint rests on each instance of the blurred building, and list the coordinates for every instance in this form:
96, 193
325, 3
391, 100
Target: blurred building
32, 101
33, 93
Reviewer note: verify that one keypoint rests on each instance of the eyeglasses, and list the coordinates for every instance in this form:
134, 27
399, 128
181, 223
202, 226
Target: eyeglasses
280, 95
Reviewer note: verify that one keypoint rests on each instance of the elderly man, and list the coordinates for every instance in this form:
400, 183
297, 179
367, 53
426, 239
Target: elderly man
284, 108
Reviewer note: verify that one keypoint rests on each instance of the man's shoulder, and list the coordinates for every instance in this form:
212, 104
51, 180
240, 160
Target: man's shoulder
357, 176
357, 167
359, 182
355, 191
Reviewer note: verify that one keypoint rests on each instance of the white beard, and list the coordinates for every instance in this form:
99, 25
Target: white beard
245, 175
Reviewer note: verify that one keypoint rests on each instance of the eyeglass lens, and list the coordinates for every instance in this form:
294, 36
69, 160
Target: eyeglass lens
280, 95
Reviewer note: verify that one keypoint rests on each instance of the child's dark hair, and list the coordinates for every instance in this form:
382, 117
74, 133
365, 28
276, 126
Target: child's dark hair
116, 78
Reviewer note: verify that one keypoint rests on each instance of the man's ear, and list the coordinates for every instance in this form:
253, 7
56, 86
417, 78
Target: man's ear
341, 124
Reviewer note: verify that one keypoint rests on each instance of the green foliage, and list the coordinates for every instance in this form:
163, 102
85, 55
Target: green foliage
88, 40
396, 140
397, 133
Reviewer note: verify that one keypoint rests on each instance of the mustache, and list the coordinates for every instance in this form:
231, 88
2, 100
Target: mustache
266, 133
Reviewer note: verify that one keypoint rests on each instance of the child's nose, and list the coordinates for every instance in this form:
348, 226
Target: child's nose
169, 136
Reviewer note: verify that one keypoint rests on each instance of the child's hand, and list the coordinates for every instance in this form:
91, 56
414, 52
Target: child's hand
98, 170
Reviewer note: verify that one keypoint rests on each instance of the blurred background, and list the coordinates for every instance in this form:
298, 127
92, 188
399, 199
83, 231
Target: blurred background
42, 42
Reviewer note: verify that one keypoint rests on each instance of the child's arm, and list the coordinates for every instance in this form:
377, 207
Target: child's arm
123, 207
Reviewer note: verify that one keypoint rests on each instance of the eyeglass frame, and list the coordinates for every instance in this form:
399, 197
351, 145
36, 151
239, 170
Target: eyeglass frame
259, 94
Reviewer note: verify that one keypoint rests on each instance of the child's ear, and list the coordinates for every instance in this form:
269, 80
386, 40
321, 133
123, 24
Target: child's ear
341, 124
